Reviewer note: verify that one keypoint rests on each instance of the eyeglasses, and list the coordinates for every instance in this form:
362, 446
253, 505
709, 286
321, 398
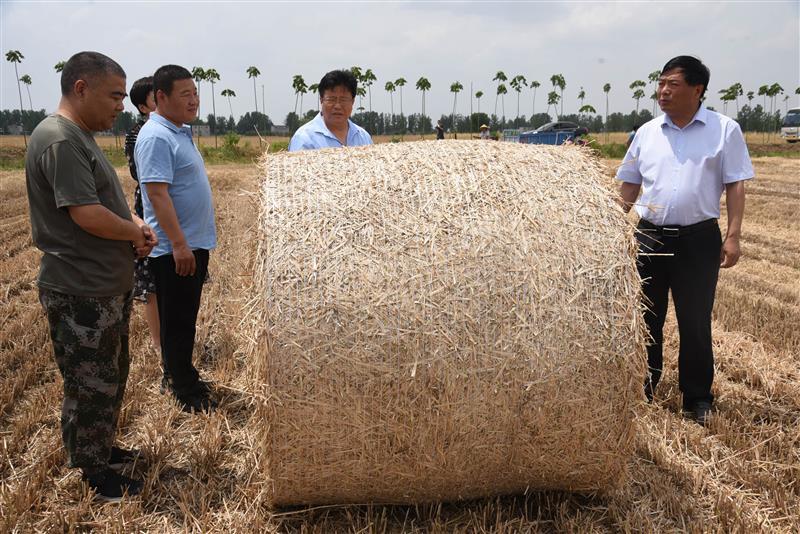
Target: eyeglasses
341, 100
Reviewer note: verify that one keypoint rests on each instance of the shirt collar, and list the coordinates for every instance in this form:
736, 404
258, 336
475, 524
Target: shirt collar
320, 127
700, 116
166, 122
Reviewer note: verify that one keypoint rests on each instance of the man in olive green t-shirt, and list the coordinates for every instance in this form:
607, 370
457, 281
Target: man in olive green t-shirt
81, 222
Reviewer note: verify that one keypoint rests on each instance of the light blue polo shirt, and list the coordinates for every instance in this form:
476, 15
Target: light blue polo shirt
314, 134
165, 153
683, 171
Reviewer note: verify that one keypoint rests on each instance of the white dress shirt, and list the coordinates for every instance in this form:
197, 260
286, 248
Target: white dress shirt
683, 171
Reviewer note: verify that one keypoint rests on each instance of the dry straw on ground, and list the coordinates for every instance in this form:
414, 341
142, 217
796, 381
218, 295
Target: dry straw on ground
444, 320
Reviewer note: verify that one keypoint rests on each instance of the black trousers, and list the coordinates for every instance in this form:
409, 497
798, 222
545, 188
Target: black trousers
178, 304
691, 274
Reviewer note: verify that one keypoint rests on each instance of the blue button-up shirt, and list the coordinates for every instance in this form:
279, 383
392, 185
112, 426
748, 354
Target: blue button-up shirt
165, 153
683, 171
315, 134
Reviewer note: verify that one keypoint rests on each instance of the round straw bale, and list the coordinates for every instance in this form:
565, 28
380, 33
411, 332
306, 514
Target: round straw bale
444, 320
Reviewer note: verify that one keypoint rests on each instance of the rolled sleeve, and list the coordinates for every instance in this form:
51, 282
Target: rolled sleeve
155, 160
629, 169
736, 164
70, 173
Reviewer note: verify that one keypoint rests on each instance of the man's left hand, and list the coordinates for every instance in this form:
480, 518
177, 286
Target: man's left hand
150, 241
730, 252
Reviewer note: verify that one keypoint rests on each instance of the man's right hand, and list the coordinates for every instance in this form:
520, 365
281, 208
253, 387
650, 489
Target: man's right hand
185, 264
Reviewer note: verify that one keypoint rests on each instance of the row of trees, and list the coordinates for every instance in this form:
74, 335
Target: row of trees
366, 78
751, 118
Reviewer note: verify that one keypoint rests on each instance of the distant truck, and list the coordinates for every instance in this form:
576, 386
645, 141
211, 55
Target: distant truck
553, 133
790, 129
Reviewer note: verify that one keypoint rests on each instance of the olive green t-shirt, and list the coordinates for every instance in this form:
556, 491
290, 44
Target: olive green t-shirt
65, 167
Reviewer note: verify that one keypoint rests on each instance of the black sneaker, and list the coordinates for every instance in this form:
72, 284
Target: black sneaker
110, 486
122, 457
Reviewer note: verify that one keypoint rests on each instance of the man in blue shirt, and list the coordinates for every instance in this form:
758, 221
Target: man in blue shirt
332, 127
176, 196
682, 162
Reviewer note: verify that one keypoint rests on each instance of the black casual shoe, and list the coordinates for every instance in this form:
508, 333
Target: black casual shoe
122, 457
196, 401
700, 412
110, 486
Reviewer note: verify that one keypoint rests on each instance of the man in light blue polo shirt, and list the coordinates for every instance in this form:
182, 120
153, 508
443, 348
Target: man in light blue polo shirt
682, 162
332, 127
176, 197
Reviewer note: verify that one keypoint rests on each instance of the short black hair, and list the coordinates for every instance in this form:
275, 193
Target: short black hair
139, 91
85, 66
166, 76
335, 78
694, 72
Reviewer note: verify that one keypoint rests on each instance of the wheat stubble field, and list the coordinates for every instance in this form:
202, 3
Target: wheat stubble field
208, 473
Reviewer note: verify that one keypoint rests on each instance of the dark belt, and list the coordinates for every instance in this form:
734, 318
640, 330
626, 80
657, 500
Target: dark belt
674, 230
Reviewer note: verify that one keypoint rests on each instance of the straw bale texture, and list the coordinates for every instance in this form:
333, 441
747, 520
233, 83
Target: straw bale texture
443, 320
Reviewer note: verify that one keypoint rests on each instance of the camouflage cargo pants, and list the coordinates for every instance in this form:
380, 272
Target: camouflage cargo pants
90, 344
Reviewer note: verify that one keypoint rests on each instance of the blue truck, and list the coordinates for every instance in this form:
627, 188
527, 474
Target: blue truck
552, 133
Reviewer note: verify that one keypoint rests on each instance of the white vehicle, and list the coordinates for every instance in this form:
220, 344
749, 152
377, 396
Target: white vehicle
790, 129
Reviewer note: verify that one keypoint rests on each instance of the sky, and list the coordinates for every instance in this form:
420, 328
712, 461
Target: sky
590, 43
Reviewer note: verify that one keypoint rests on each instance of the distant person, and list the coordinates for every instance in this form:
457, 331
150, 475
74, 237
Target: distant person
631, 135
439, 130
144, 285
332, 127
682, 161
177, 203
81, 222
485, 133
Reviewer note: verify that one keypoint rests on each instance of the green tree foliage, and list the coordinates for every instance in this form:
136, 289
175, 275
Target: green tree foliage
59, 66
653, 79
517, 83
368, 79
212, 76
399, 83
534, 85
422, 85
300, 88
253, 72
559, 82
14, 57
638, 91
199, 75
500, 78
389, 87
502, 91
455, 88
27, 120
26, 79
229, 93
552, 100
249, 123
478, 96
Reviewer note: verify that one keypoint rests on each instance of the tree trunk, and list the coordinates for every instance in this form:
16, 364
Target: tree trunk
21, 122
214, 113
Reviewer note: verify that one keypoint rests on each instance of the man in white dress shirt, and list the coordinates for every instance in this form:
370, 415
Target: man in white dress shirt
682, 161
